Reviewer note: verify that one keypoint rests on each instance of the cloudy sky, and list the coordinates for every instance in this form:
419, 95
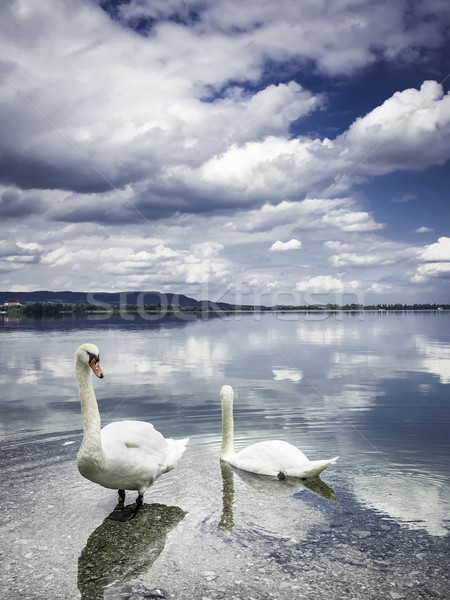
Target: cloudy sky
242, 150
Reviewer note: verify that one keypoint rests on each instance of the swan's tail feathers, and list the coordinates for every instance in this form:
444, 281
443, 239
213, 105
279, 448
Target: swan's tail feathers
317, 466
176, 451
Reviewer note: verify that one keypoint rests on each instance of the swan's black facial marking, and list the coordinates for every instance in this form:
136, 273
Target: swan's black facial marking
281, 476
92, 357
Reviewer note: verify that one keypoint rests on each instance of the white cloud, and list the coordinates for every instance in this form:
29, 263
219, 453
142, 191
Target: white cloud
286, 215
30, 246
264, 169
440, 251
326, 283
393, 135
389, 138
339, 37
369, 251
360, 260
265, 113
15, 256
438, 257
336, 246
206, 249
283, 246
424, 272
57, 257
379, 288
423, 230
351, 221
406, 197
141, 266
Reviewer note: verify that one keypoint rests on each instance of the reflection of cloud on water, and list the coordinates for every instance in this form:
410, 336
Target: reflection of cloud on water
322, 336
116, 551
30, 377
348, 361
359, 397
436, 357
290, 374
269, 486
409, 500
432, 357
194, 355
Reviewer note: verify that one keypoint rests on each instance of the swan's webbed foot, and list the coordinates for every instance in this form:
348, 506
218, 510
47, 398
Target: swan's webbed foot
125, 513
281, 476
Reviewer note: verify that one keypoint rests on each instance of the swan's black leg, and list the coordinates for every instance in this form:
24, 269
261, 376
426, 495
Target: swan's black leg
122, 512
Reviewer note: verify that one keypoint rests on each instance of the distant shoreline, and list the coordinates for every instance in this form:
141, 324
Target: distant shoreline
152, 302
59, 310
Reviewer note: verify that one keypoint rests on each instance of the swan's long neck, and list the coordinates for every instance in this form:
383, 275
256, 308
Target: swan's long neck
227, 425
91, 417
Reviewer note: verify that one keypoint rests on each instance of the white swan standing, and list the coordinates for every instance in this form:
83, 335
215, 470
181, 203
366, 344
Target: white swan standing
126, 455
276, 458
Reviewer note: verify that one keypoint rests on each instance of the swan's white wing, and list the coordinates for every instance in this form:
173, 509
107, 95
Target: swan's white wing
269, 458
121, 436
277, 456
132, 434
136, 449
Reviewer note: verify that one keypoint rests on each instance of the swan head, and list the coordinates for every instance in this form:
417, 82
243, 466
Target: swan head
226, 393
87, 356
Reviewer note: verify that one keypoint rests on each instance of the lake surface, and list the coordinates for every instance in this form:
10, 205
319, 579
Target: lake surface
372, 388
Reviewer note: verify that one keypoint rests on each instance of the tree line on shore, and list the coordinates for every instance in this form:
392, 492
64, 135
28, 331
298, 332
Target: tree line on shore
57, 309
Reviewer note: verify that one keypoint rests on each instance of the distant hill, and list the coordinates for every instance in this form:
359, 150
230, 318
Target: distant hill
113, 298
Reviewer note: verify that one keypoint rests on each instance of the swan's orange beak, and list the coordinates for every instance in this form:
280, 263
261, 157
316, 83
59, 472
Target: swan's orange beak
95, 366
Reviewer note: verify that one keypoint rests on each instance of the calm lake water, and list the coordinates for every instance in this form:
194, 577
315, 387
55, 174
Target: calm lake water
372, 388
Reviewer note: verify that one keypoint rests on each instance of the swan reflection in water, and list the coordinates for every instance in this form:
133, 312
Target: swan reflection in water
116, 552
270, 486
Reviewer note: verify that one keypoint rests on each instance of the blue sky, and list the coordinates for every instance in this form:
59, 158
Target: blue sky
292, 152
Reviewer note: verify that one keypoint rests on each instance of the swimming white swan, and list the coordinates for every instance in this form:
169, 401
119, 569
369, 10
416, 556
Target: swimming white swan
126, 455
276, 458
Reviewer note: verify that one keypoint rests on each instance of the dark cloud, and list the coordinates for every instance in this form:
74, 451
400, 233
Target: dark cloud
99, 213
72, 173
14, 206
148, 205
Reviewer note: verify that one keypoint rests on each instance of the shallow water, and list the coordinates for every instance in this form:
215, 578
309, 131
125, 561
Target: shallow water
370, 388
